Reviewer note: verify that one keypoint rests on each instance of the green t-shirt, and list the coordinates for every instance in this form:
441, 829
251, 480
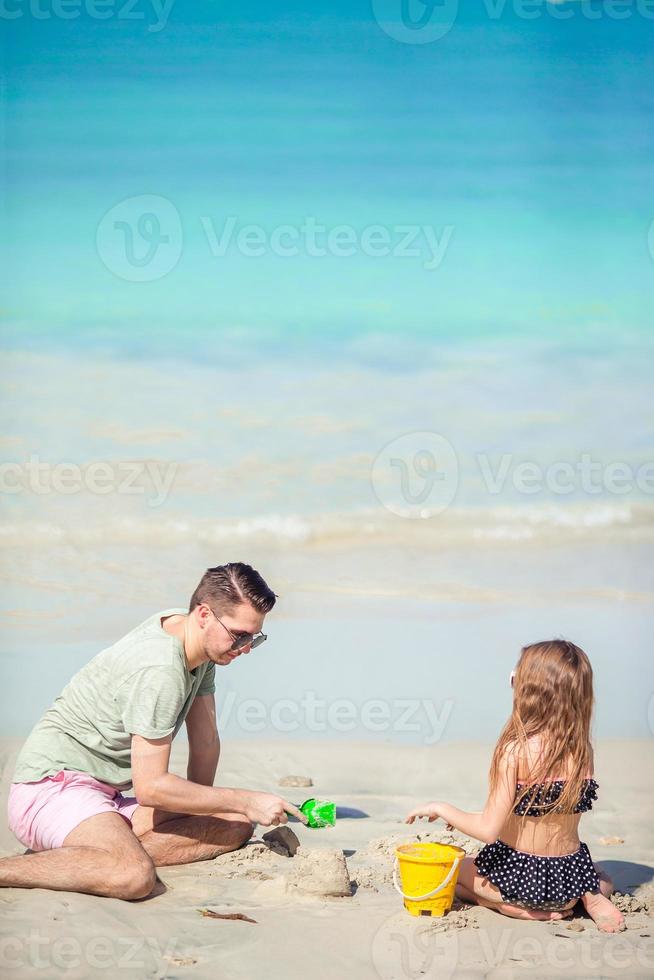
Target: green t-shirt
141, 685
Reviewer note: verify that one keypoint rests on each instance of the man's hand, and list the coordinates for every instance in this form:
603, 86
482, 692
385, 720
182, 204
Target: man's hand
155, 786
269, 810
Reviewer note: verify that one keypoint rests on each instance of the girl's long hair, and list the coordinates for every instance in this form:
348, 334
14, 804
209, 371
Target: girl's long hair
553, 699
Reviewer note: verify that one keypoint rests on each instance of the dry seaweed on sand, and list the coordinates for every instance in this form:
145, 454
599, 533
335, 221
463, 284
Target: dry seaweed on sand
210, 914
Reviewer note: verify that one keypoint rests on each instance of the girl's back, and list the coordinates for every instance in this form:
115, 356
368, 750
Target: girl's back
535, 824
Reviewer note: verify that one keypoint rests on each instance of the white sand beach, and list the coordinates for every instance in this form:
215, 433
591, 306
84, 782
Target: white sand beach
367, 935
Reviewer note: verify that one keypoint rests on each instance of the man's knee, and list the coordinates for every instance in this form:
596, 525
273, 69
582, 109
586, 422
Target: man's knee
239, 830
134, 880
242, 831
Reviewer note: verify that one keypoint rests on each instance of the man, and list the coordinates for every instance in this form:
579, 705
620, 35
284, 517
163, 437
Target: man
112, 727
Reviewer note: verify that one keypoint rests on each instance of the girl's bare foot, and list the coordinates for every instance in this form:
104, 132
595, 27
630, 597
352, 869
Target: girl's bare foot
603, 912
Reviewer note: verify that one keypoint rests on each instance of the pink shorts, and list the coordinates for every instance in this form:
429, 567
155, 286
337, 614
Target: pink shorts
42, 814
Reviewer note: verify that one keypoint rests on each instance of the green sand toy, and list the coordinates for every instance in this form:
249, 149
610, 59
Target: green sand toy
319, 813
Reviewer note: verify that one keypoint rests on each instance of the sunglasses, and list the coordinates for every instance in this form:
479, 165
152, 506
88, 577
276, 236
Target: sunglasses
241, 640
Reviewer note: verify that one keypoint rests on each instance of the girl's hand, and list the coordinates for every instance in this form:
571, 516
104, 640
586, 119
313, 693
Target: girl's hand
429, 810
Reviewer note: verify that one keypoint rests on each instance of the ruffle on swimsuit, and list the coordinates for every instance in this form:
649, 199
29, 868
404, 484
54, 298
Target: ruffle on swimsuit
535, 881
538, 802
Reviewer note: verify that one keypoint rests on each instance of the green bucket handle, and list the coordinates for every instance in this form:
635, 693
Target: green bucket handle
439, 888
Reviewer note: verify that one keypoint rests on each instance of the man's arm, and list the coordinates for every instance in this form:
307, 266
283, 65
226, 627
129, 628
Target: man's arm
156, 787
203, 741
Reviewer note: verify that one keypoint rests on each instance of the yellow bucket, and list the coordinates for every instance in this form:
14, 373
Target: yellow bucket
428, 875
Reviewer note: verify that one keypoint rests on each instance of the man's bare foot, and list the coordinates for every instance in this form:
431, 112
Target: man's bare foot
603, 912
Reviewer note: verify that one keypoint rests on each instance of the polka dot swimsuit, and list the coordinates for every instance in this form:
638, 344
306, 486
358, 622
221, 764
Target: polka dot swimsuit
532, 880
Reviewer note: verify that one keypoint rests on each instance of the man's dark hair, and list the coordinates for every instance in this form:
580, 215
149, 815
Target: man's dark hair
226, 586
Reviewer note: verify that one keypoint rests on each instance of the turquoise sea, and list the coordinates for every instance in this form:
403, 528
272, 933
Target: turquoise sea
294, 284
530, 139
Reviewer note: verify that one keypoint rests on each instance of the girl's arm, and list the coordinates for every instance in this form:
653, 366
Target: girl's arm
487, 825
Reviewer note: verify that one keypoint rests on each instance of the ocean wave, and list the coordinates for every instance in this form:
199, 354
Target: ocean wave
361, 529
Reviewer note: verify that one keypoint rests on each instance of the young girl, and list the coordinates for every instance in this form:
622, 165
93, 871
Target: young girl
541, 780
